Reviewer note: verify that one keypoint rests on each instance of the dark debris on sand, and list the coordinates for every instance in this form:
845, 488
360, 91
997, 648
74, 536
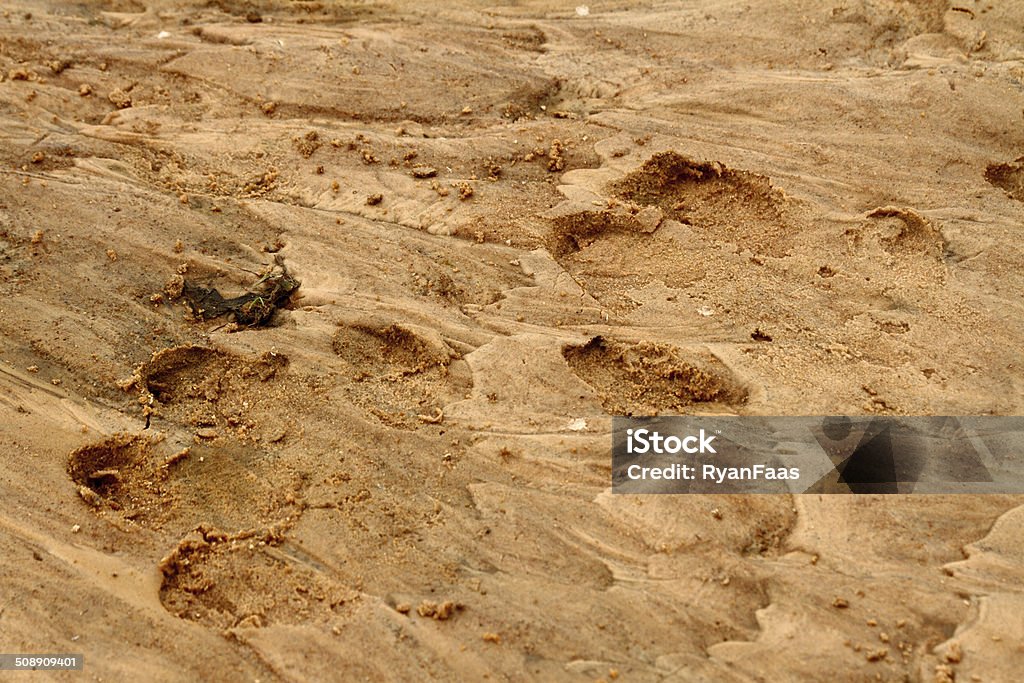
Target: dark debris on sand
255, 308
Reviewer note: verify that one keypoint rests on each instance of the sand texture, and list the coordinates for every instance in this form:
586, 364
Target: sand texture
509, 222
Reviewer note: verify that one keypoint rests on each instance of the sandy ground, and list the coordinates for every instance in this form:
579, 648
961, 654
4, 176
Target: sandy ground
510, 222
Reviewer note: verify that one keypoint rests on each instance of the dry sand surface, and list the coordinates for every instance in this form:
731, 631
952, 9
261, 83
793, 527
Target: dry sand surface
510, 221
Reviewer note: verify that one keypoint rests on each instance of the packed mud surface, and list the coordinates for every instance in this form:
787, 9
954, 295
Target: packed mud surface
314, 316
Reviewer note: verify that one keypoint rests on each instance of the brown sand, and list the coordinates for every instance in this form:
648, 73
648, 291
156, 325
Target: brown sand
758, 208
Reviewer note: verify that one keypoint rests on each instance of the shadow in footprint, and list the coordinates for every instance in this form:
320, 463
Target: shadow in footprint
1008, 177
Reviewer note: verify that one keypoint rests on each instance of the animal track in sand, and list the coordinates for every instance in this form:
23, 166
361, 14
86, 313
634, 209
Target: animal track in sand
891, 242
637, 239
211, 577
224, 394
149, 483
222, 581
649, 378
911, 234
613, 251
722, 204
397, 375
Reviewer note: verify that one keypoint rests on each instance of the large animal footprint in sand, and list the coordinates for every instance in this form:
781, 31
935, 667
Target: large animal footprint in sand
399, 376
246, 579
648, 378
141, 479
660, 224
220, 394
212, 577
723, 204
